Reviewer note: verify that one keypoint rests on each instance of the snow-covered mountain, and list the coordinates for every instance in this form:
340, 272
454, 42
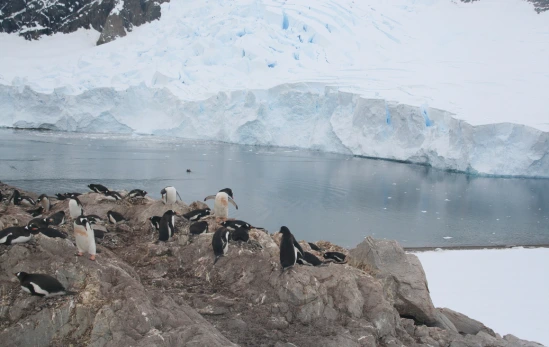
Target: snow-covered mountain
455, 85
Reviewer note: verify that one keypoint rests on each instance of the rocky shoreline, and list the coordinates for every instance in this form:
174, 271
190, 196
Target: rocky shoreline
140, 293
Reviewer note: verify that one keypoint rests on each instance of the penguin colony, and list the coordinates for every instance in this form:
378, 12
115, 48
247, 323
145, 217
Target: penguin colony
291, 252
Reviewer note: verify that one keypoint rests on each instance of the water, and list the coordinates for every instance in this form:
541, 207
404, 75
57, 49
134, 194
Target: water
318, 196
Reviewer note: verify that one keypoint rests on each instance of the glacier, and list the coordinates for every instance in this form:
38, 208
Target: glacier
301, 115
354, 77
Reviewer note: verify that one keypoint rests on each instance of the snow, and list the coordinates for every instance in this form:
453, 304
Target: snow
402, 80
507, 290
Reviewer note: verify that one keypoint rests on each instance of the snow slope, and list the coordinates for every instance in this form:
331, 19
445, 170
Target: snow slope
391, 67
504, 289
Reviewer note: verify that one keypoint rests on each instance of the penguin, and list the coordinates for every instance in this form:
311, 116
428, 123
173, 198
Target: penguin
240, 234
75, 207
137, 193
290, 250
220, 243
98, 188
26, 200
197, 214
169, 195
235, 224
36, 224
44, 201
337, 256
115, 217
65, 196
97, 233
36, 212
84, 237
41, 285
112, 195
221, 203
314, 247
188, 170
198, 228
56, 218
167, 226
53, 233
94, 219
16, 197
309, 259
13, 235
155, 222
41, 225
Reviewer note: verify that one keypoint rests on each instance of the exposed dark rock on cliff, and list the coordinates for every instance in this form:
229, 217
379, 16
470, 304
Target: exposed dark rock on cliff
112, 18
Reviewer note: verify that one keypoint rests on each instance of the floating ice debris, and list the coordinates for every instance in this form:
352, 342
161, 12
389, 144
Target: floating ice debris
389, 197
417, 188
385, 208
447, 237
394, 184
423, 211
446, 199
497, 218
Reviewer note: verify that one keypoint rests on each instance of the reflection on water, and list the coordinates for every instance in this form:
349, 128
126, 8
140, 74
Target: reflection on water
317, 195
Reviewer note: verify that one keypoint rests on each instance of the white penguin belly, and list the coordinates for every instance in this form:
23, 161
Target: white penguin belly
82, 242
21, 239
221, 205
74, 209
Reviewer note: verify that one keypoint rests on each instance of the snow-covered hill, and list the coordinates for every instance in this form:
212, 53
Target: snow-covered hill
425, 80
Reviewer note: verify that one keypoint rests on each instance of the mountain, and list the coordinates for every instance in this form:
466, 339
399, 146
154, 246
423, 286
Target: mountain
458, 86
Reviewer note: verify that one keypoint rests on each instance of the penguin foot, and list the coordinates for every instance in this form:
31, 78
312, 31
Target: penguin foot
92, 257
79, 254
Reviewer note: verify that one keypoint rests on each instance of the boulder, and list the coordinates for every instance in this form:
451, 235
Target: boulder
403, 278
464, 324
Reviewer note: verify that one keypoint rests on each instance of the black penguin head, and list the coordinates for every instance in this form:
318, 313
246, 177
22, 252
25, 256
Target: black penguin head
81, 221
285, 231
163, 191
143, 192
21, 275
43, 196
171, 212
229, 192
207, 212
35, 224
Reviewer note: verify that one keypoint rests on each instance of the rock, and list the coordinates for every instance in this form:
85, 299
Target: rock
464, 324
404, 280
113, 29
515, 341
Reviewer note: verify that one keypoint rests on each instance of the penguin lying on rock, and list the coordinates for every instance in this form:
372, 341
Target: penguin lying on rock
41, 285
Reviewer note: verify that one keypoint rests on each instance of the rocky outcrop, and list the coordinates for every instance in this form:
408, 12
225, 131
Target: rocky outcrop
464, 324
539, 5
171, 294
112, 18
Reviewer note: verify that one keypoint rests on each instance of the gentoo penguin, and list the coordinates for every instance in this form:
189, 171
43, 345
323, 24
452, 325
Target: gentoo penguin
41, 225
13, 235
235, 224
240, 234
64, 196
309, 259
57, 218
198, 228
16, 197
44, 201
112, 195
41, 285
98, 188
188, 170
26, 200
115, 217
75, 207
337, 256
36, 224
36, 212
221, 203
155, 222
220, 243
94, 219
167, 226
290, 250
314, 247
84, 237
169, 195
197, 214
137, 193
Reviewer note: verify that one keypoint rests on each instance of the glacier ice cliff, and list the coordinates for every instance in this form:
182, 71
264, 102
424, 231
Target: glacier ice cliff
304, 115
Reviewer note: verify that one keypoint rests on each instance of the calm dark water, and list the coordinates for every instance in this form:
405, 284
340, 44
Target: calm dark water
318, 196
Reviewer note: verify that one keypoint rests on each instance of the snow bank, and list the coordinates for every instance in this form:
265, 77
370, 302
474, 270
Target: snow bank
504, 289
218, 70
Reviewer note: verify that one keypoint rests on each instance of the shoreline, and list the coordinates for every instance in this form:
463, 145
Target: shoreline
468, 248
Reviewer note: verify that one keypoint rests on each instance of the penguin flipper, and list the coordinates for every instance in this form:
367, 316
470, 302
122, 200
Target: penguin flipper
209, 197
232, 202
178, 195
217, 258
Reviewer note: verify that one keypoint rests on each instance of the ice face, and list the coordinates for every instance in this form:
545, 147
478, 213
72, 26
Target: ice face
294, 115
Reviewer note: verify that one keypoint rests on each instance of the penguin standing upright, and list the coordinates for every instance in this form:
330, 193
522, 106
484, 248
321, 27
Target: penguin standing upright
167, 226
41, 285
16, 197
75, 207
290, 250
169, 195
44, 201
84, 237
220, 243
221, 203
